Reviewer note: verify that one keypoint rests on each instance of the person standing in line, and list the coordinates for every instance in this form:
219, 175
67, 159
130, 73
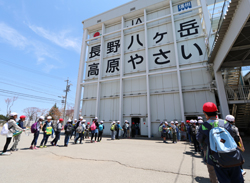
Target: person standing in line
177, 130
80, 128
46, 135
117, 129
17, 137
68, 131
133, 129
112, 129
37, 132
183, 131
58, 129
12, 128
101, 128
193, 134
94, 129
230, 119
124, 127
87, 130
189, 131
174, 132
73, 133
128, 129
164, 131
229, 174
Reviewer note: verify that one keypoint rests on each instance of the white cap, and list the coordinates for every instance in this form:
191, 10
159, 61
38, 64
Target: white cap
81, 117
113, 122
126, 121
49, 117
84, 120
191, 121
13, 114
200, 121
75, 119
96, 117
166, 122
101, 121
118, 121
41, 117
176, 122
69, 120
172, 122
195, 121
199, 117
230, 118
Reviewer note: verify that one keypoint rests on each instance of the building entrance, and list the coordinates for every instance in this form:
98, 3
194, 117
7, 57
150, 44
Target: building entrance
135, 127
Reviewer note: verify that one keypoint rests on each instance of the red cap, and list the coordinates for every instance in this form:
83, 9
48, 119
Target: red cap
60, 119
21, 117
187, 121
209, 107
88, 123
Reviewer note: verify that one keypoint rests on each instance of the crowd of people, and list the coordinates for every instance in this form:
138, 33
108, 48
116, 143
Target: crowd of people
217, 140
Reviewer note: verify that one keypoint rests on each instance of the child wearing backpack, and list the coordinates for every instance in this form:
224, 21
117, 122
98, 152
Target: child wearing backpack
57, 128
47, 131
68, 130
193, 134
174, 132
101, 128
80, 128
87, 130
117, 129
35, 128
112, 129
222, 152
8, 129
94, 129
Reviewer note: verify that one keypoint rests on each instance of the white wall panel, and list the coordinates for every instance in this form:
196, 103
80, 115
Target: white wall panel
158, 14
163, 82
134, 85
90, 91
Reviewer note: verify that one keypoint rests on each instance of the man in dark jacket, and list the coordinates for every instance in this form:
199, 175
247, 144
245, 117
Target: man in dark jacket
232, 174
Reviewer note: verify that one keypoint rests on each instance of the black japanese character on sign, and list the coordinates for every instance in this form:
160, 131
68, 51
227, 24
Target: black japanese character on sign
95, 51
137, 21
188, 26
132, 41
190, 54
164, 54
113, 46
161, 36
93, 69
134, 58
113, 65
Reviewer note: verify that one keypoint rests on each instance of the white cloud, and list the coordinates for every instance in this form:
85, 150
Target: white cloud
61, 39
12, 37
39, 49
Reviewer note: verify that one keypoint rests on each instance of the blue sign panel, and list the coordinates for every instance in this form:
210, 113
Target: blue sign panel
184, 6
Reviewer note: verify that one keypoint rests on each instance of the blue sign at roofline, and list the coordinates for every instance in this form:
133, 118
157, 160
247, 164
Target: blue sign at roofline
185, 6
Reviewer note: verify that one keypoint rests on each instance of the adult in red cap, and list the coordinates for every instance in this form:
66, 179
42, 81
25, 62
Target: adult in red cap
232, 174
57, 130
18, 137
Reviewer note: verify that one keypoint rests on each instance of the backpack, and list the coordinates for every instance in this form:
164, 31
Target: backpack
223, 147
116, 128
93, 127
193, 128
112, 127
5, 129
34, 128
54, 126
100, 127
69, 128
160, 128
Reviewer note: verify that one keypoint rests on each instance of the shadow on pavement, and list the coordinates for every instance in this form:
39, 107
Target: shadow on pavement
202, 179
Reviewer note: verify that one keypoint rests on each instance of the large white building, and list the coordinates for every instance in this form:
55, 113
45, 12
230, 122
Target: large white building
145, 62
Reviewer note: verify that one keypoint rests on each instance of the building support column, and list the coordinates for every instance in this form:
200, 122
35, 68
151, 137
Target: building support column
80, 75
222, 94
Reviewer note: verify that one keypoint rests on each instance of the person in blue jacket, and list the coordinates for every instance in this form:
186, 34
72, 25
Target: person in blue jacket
117, 129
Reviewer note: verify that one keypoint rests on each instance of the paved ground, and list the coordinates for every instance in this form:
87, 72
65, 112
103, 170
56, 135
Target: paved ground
106, 162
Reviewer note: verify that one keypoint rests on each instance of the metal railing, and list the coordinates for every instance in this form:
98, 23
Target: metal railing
238, 93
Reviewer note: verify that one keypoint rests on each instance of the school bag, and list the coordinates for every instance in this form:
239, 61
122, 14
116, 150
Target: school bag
54, 126
69, 129
33, 128
116, 128
93, 127
160, 128
222, 146
112, 127
5, 129
193, 128
79, 129
100, 127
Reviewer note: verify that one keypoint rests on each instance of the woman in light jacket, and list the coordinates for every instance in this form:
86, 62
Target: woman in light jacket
13, 127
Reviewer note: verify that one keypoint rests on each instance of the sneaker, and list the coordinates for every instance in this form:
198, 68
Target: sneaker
51, 143
243, 172
6, 154
41, 146
44, 146
36, 148
31, 147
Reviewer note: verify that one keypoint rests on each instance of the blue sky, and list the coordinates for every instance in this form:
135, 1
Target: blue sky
40, 44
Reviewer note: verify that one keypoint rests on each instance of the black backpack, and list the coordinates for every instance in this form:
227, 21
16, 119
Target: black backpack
116, 128
69, 129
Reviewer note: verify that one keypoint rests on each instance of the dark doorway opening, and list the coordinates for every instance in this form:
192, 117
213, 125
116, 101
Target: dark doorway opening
135, 127
191, 117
